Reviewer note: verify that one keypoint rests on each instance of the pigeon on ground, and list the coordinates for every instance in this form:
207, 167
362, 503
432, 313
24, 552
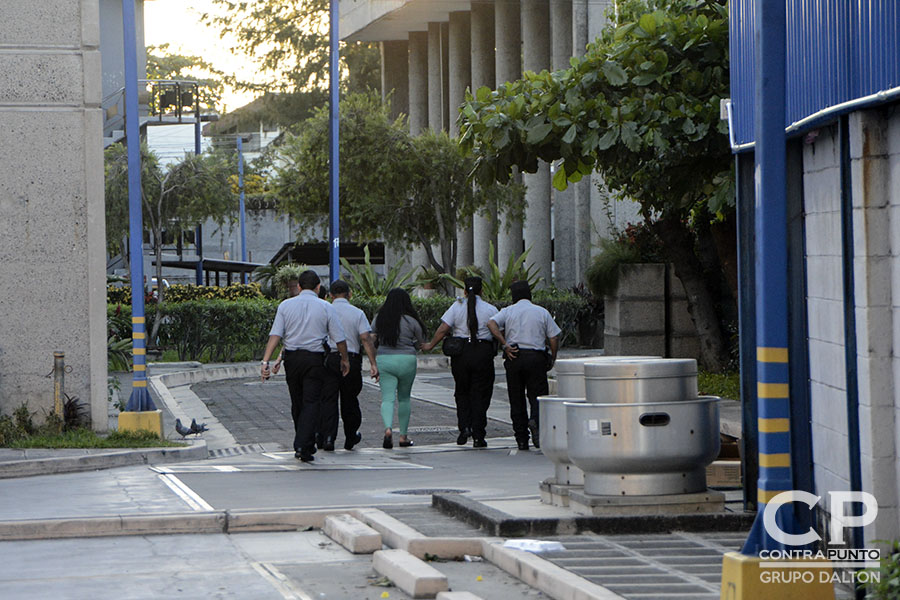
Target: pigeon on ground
181, 429
195, 428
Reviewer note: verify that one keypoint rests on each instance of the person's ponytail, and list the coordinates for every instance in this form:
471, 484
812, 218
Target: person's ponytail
473, 290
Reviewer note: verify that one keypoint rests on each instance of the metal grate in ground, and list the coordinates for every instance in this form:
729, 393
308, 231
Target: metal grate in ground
676, 566
431, 522
236, 451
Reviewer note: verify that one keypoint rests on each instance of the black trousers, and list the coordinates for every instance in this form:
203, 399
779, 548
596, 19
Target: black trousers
346, 388
473, 373
526, 375
305, 374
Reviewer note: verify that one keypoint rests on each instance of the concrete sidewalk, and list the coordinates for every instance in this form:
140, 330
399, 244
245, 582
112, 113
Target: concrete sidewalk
249, 427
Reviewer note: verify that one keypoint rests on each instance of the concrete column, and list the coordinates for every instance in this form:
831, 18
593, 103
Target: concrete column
445, 76
395, 82
536, 57
483, 74
597, 20
582, 189
460, 80
395, 75
418, 109
52, 232
508, 37
564, 248
435, 78
418, 82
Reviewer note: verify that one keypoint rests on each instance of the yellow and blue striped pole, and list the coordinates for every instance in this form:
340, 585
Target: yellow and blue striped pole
140, 398
772, 366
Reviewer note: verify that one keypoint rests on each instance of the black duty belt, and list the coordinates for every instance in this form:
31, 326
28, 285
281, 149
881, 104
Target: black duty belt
299, 351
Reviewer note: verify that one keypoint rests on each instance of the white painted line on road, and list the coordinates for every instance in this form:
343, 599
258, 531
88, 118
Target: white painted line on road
226, 468
275, 456
185, 493
279, 581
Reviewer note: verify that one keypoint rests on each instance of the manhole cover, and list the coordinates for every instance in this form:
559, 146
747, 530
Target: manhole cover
428, 491
432, 429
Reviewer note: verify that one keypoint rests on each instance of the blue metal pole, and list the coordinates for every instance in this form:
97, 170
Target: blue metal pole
772, 365
334, 146
198, 149
240, 150
140, 398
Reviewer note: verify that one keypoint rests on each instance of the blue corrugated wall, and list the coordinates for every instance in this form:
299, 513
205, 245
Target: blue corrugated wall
837, 51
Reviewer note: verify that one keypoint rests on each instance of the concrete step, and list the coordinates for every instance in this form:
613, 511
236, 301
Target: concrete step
412, 575
432, 522
352, 534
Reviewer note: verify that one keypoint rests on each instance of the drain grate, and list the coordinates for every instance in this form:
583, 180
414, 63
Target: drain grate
236, 451
432, 429
428, 491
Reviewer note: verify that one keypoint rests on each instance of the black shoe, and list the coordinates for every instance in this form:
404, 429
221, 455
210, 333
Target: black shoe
297, 453
357, 438
388, 442
535, 433
328, 446
523, 445
463, 437
407, 443
306, 457
479, 443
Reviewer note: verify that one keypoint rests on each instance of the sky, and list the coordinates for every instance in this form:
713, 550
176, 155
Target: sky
177, 23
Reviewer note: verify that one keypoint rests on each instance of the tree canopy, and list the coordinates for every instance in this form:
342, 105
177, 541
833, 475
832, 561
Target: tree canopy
402, 189
289, 40
641, 108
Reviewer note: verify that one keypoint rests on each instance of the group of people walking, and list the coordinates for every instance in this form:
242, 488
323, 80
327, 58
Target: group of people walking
322, 344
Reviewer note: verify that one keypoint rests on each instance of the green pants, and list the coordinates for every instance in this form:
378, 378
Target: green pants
396, 374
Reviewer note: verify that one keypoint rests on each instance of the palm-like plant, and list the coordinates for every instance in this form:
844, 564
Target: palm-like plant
365, 281
495, 284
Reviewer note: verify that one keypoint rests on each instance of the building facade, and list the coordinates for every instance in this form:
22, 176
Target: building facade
432, 51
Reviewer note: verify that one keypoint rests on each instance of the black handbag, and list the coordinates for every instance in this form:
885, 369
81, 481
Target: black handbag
453, 346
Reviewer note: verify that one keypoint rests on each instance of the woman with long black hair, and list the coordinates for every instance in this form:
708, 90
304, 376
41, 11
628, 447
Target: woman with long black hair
473, 366
399, 332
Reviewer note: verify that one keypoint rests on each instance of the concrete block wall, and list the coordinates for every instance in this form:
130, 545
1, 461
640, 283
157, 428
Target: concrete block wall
875, 172
680, 329
875, 177
52, 234
825, 294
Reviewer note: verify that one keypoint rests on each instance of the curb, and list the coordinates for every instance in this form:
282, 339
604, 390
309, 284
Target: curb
498, 523
30, 467
533, 570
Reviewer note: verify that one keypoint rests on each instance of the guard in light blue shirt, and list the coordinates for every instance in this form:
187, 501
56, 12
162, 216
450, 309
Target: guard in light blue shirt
303, 324
473, 366
528, 330
343, 390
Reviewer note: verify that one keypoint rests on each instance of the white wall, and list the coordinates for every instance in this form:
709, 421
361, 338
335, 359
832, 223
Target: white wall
875, 175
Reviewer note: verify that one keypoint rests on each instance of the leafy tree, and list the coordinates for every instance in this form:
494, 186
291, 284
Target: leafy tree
642, 108
289, 40
174, 199
161, 64
393, 187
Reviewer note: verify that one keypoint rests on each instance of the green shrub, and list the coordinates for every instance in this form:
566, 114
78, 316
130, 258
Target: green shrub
366, 281
887, 586
182, 293
635, 244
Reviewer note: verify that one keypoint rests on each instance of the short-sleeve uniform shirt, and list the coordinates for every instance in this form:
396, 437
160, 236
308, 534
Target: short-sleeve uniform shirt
354, 322
305, 321
457, 318
527, 325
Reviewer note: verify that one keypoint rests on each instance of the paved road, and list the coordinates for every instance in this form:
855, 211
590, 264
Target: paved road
256, 412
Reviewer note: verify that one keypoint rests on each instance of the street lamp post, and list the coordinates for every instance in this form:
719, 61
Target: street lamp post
140, 398
334, 182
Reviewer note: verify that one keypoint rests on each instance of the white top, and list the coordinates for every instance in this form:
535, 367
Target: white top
457, 318
304, 321
527, 325
354, 322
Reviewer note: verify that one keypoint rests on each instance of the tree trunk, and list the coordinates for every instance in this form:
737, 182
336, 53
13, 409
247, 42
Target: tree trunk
151, 342
679, 244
